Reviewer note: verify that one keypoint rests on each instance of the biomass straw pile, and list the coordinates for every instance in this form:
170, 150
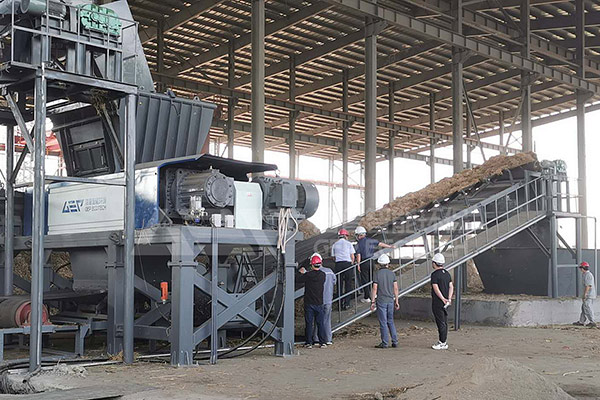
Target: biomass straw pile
308, 229
444, 188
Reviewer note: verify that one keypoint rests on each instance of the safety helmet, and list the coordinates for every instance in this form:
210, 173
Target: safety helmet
584, 265
316, 259
360, 230
439, 259
342, 232
383, 259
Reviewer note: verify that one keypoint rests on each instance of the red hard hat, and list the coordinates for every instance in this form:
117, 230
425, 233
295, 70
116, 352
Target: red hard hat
343, 232
316, 259
584, 265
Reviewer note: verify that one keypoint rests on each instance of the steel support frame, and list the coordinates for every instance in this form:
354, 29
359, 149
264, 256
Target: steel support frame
184, 244
300, 107
454, 38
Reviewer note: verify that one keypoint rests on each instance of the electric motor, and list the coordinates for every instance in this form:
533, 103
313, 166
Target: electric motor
301, 197
191, 192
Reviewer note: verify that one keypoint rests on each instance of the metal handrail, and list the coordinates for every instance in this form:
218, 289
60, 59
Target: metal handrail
527, 210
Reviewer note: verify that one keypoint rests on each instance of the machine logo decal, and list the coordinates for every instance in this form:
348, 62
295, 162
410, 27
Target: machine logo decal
84, 205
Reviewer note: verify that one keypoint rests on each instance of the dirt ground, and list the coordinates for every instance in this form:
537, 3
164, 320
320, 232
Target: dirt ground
513, 362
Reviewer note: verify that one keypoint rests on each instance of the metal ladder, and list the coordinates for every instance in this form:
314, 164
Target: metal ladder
459, 237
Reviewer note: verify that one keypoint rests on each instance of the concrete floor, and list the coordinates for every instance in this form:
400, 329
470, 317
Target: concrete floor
352, 366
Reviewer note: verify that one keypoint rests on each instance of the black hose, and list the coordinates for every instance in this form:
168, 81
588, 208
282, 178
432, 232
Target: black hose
264, 321
268, 335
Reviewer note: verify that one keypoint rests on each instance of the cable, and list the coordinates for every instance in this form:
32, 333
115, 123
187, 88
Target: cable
284, 215
264, 321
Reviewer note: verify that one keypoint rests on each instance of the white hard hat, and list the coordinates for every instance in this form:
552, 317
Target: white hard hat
360, 230
439, 259
383, 259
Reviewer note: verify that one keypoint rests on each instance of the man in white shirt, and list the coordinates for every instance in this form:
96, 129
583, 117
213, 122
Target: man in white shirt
343, 253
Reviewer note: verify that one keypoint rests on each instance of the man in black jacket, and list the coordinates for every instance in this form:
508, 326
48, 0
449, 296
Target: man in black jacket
314, 281
441, 297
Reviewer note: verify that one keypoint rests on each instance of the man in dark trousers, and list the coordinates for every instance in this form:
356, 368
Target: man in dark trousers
441, 295
365, 249
314, 282
343, 253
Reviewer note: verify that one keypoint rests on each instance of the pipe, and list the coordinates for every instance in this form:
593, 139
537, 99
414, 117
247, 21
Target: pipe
38, 225
9, 207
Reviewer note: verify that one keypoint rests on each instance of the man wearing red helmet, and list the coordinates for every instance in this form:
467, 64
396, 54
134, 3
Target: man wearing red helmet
314, 283
589, 294
328, 288
343, 252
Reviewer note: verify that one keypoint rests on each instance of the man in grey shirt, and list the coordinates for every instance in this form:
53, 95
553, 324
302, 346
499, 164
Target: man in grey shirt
385, 297
328, 286
589, 294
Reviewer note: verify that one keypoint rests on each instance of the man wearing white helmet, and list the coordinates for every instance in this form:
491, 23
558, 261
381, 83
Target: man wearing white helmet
385, 297
441, 297
365, 249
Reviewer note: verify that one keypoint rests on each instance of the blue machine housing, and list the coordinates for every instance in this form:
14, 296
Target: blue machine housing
148, 184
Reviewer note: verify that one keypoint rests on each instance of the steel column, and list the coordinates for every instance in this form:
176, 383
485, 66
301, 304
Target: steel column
160, 43
330, 193
370, 116
392, 134
115, 299
292, 116
457, 302
345, 128
38, 225
129, 229
501, 129
231, 100
579, 255
582, 166
9, 211
553, 257
527, 136
580, 111
432, 141
285, 347
457, 91
258, 80
214, 302
183, 269
468, 135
